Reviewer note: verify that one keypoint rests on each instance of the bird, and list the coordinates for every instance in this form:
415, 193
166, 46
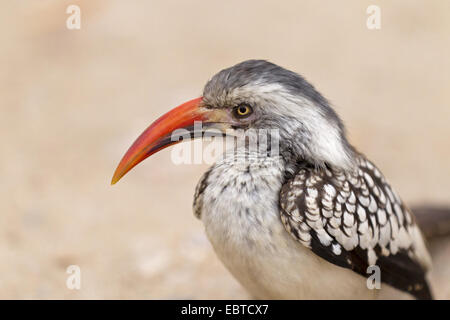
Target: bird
307, 221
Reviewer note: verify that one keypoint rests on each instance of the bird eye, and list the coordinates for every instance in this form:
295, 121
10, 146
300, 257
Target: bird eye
242, 111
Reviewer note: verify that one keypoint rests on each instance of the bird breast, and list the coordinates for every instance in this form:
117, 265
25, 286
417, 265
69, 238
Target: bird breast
240, 202
240, 212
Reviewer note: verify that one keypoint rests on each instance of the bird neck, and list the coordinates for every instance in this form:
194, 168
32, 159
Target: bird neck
327, 149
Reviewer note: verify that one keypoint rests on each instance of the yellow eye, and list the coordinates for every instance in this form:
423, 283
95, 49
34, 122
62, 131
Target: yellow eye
243, 111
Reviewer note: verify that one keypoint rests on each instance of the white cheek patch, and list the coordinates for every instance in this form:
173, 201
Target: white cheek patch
326, 143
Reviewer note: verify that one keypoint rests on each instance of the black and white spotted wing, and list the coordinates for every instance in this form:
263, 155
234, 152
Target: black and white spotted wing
356, 220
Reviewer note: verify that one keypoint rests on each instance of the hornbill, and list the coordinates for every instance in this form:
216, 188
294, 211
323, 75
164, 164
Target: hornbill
306, 221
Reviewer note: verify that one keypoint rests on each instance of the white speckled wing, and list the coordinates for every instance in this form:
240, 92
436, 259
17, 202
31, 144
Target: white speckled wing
356, 220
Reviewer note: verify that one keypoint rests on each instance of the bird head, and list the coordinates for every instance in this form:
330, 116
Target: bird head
253, 95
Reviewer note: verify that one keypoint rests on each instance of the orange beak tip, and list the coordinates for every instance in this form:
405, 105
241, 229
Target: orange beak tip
153, 140
116, 177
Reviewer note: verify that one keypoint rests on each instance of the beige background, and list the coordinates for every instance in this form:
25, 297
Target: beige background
73, 101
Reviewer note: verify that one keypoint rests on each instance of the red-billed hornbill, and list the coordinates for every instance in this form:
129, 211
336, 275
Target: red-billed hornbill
306, 222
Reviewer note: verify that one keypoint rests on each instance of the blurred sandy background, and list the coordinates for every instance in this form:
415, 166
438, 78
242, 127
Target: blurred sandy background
72, 101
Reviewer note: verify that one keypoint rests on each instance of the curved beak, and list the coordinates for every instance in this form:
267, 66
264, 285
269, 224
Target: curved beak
158, 135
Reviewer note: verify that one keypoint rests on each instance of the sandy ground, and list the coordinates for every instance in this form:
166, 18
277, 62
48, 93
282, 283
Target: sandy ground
72, 101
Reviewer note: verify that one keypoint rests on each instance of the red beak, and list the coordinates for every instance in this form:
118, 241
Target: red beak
158, 135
